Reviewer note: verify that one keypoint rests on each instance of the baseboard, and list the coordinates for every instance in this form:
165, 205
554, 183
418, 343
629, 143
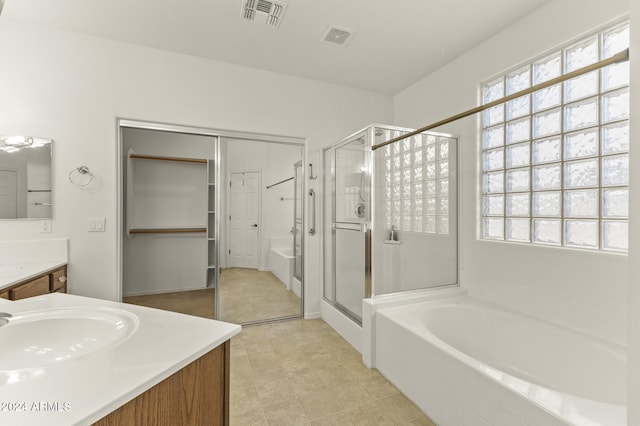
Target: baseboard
162, 291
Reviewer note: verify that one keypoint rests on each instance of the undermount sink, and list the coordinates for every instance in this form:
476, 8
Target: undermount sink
40, 339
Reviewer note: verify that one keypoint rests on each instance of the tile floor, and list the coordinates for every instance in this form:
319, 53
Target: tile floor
194, 302
301, 372
248, 295
297, 372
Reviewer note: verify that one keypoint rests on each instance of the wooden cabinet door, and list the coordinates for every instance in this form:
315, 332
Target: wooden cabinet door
59, 279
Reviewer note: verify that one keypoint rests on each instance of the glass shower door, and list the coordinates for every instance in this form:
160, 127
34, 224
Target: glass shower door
351, 225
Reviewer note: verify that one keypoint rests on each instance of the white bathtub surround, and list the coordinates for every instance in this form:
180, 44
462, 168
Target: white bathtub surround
22, 260
281, 264
464, 361
296, 286
159, 344
371, 306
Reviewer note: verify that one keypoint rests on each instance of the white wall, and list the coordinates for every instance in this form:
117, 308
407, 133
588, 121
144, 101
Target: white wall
72, 88
583, 290
633, 411
275, 162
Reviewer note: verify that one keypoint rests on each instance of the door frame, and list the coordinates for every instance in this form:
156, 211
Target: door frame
121, 123
227, 235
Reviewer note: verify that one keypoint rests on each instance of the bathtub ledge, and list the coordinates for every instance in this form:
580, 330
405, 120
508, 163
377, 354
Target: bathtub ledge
371, 306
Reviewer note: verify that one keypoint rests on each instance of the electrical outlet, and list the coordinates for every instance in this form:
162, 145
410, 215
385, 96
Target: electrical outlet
46, 227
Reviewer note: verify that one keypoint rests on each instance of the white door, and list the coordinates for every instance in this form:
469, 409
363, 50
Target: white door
8, 194
243, 220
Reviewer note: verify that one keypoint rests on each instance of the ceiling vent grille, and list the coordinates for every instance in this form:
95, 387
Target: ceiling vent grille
335, 35
266, 11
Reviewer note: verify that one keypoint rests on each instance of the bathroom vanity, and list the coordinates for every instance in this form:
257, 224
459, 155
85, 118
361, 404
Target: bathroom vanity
72, 360
198, 394
32, 268
42, 279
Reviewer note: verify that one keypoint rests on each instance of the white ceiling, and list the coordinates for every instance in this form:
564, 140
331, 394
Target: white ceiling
395, 42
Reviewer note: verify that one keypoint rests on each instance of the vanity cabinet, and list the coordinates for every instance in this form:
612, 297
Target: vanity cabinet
50, 281
198, 394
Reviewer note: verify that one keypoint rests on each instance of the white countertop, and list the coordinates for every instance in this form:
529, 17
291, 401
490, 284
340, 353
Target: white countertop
26, 259
13, 274
88, 388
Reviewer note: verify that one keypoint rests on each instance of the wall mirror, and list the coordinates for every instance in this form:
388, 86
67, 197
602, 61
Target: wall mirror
25, 178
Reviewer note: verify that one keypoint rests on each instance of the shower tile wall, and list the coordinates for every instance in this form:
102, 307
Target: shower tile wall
416, 192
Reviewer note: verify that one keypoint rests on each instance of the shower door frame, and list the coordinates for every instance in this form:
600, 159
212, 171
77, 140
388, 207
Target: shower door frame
365, 225
298, 217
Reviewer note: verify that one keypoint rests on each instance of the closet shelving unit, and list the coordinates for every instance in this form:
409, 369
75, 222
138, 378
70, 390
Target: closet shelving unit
208, 229
167, 229
212, 263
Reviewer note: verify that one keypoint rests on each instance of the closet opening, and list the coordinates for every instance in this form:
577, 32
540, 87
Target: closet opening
200, 232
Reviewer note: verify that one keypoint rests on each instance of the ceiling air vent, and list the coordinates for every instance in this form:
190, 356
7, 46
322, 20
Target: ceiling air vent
335, 35
265, 11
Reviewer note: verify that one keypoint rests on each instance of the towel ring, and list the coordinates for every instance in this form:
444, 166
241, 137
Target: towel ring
76, 176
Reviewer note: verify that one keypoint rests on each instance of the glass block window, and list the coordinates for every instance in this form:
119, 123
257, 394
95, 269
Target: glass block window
555, 164
416, 179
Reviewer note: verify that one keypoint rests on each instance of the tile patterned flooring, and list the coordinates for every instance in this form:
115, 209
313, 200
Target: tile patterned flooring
248, 295
297, 372
194, 302
301, 372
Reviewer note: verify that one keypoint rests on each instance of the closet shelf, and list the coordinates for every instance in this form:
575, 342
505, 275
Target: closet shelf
168, 230
163, 158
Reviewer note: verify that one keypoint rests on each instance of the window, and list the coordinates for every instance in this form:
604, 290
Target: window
416, 183
555, 163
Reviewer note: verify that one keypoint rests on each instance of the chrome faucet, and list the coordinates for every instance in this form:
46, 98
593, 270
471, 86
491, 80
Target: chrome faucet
4, 318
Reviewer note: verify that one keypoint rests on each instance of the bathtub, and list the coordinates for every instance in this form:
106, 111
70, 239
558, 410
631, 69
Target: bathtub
463, 361
281, 264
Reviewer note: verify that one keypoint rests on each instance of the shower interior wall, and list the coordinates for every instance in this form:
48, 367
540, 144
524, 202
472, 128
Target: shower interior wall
421, 258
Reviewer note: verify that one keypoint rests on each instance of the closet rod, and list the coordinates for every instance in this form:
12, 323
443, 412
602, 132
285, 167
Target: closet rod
156, 157
619, 57
167, 230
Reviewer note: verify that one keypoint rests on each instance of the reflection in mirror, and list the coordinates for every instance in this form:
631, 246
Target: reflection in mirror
25, 177
262, 248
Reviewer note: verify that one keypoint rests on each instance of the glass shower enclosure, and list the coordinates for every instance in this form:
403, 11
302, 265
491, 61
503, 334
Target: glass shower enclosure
389, 216
347, 223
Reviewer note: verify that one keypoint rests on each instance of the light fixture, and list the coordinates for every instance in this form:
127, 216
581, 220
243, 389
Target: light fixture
17, 141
